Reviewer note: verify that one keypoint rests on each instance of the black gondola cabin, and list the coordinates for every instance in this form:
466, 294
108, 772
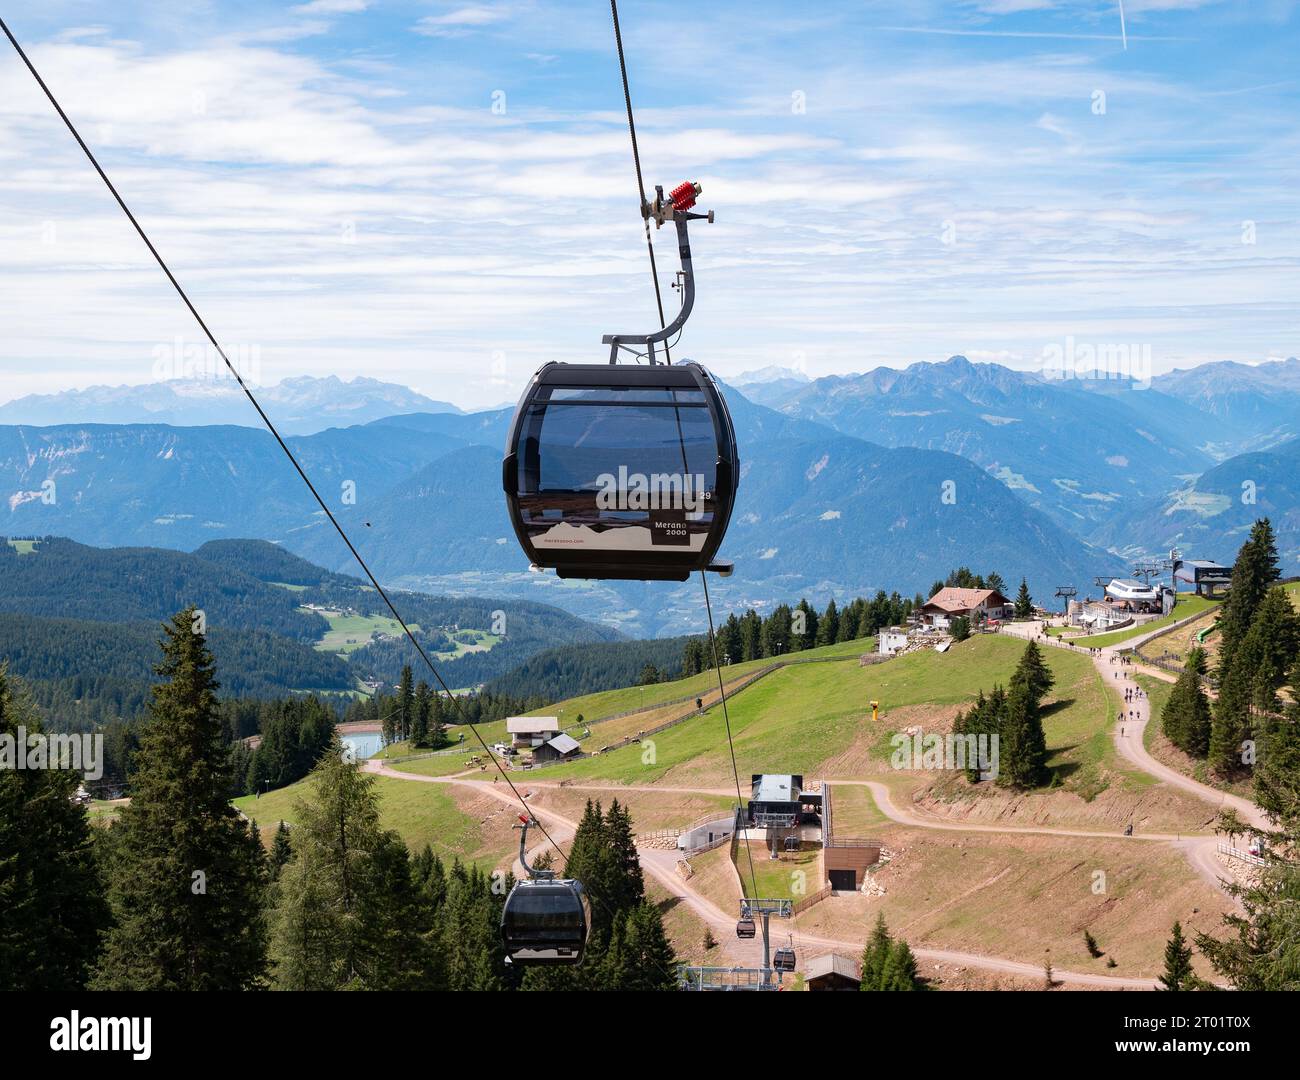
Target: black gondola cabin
619, 471
546, 921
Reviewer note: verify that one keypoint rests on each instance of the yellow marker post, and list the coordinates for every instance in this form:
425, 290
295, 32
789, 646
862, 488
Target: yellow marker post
875, 711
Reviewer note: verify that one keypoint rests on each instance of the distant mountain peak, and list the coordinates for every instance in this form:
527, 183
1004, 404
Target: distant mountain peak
298, 405
770, 374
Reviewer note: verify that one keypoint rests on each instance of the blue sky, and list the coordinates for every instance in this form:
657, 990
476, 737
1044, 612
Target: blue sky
893, 182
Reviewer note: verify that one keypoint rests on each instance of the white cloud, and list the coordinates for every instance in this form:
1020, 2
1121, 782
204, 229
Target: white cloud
460, 20
331, 7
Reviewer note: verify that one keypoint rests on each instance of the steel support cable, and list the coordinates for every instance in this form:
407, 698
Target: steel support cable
180, 291
654, 273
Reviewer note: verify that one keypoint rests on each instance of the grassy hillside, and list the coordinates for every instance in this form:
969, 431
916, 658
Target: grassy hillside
455, 822
799, 718
612, 702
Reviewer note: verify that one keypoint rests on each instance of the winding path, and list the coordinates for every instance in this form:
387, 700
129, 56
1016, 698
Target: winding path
1128, 732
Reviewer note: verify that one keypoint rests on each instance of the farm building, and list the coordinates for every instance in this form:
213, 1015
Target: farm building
532, 731
977, 605
892, 640
832, 972
561, 748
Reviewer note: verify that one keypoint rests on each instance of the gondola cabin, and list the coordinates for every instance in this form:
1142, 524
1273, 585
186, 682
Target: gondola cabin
620, 471
546, 921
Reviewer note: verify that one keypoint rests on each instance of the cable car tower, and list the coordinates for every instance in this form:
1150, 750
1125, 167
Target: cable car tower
1066, 593
742, 978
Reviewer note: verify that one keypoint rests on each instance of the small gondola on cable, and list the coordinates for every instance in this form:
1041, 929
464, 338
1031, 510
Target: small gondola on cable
626, 471
546, 919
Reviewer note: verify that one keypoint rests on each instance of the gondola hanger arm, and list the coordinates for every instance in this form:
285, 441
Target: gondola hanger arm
675, 208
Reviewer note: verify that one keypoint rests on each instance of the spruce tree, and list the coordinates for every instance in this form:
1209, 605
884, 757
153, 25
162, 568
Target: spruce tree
469, 934
1277, 772
809, 637
420, 715
1262, 948
828, 626
1022, 745
405, 704
640, 956
1186, 717
187, 877
1032, 671
347, 912
1253, 573
51, 892
281, 850
900, 968
875, 955
1178, 974
1024, 602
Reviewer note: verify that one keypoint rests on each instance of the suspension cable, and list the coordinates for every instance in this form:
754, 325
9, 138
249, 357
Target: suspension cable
180, 291
654, 273
640, 182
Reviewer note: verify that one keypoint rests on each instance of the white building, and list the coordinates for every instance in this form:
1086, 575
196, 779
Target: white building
892, 640
531, 731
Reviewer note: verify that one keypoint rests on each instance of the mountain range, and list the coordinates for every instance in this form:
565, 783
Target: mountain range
80, 624
888, 479
300, 406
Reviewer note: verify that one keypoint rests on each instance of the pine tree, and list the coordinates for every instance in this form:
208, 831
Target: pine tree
347, 914
1178, 974
875, 955
1033, 673
281, 850
1022, 744
405, 704
1024, 608
420, 715
1253, 573
828, 626
1186, 717
959, 628
187, 878
51, 892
